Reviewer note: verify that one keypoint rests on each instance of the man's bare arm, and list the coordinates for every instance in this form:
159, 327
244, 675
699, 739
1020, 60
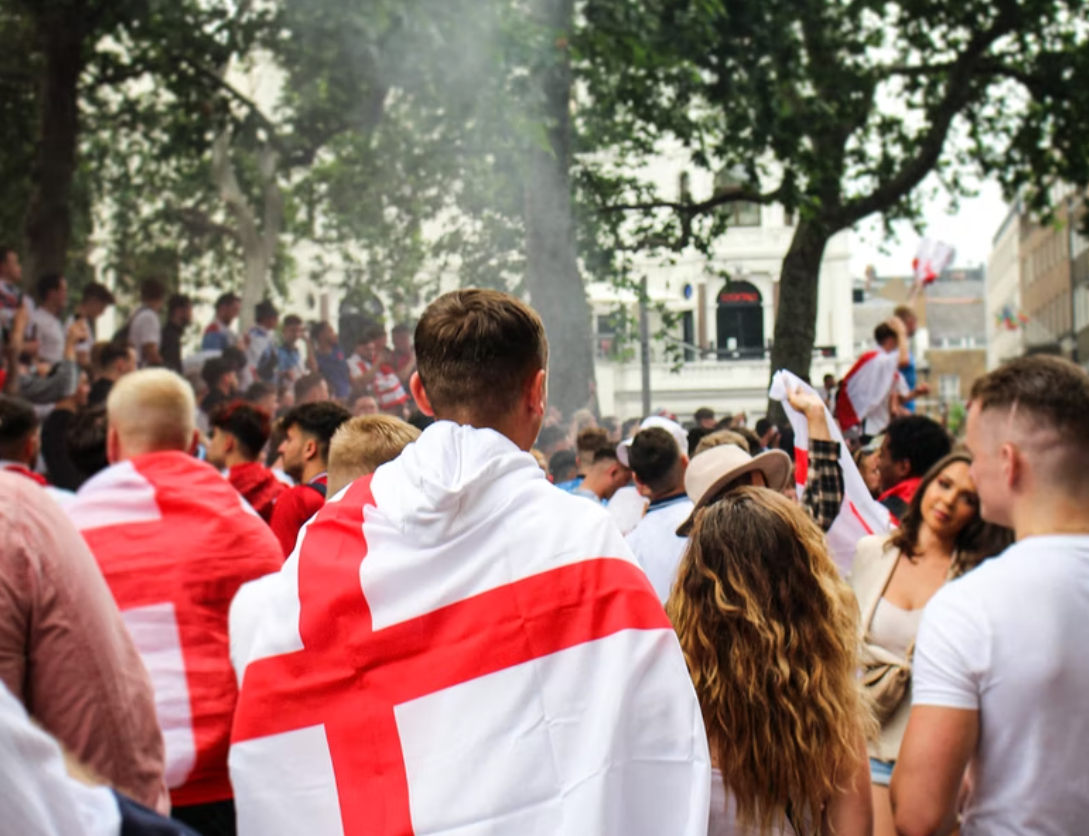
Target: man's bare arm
937, 747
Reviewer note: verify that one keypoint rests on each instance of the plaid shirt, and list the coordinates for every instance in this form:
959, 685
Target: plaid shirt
824, 487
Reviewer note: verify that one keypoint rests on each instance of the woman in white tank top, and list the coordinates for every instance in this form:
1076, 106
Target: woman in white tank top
940, 537
769, 631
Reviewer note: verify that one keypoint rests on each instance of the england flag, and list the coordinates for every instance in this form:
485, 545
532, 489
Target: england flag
175, 542
457, 646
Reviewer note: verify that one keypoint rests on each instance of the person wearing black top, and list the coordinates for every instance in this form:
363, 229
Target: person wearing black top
179, 316
62, 471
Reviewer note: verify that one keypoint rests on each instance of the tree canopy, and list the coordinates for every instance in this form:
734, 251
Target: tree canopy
836, 109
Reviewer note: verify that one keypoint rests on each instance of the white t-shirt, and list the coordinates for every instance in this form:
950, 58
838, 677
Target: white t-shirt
656, 545
626, 508
145, 328
49, 331
1011, 641
37, 798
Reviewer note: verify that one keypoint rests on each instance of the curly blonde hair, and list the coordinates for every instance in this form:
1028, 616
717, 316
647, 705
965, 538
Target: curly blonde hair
770, 634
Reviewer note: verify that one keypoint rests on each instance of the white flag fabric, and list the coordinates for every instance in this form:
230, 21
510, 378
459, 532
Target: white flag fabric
457, 646
860, 515
863, 396
932, 259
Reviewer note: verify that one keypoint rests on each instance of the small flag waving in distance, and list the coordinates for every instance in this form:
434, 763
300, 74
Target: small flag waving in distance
931, 260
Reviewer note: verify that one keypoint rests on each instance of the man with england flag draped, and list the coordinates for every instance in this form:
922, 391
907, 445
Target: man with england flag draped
864, 396
456, 612
175, 541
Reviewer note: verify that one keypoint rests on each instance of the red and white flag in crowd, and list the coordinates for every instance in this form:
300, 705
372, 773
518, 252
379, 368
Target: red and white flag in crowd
860, 515
931, 260
865, 391
175, 541
456, 646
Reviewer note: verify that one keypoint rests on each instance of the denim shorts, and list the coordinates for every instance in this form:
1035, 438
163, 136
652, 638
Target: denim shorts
881, 772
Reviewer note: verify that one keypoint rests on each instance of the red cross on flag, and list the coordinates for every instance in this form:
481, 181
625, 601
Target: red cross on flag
175, 541
863, 395
457, 646
860, 514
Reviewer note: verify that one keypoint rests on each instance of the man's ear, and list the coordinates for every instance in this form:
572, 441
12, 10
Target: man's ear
1012, 467
195, 443
419, 395
113, 445
537, 393
310, 449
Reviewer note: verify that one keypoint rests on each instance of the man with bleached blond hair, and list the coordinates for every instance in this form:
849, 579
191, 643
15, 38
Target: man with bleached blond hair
175, 541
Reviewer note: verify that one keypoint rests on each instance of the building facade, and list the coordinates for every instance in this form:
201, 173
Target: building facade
1005, 331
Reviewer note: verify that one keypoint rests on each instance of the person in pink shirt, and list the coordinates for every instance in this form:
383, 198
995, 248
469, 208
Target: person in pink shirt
65, 652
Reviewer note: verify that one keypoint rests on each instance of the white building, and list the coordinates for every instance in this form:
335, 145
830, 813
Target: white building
1003, 301
726, 327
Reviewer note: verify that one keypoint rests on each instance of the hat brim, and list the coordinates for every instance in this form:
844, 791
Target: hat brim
775, 465
622, 451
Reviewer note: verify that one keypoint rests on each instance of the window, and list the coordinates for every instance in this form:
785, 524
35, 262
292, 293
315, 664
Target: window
738, 213
949, 387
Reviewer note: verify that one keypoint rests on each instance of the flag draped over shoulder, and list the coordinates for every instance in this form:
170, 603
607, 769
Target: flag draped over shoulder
456, 646
861, 514
175, 541
865, 389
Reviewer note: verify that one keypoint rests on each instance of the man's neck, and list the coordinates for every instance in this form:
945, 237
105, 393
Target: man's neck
52, 307
312, 470
672, 492
1040, 516
593, 485
234, 459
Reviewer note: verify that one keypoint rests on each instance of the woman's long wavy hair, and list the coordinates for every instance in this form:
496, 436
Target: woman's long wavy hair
976, 542
770, 634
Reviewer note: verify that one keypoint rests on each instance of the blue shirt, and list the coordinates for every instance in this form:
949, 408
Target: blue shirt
909, 373
334, 368
571, 485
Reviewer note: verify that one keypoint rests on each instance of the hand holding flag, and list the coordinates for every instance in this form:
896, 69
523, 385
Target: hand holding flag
860, 515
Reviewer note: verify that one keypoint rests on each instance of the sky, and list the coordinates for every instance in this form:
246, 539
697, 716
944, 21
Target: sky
971, 230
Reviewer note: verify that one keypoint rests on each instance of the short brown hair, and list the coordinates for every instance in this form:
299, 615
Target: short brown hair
362, 445
152, 290
591, 439
903, 312
1049, 389
475, 350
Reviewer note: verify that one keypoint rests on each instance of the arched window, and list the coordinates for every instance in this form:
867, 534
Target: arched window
740, 321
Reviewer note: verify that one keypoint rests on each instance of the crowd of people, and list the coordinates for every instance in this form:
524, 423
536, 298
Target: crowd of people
273, 587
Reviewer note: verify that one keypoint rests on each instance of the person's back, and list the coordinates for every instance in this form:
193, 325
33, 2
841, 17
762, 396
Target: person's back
175, 541
658, 464
64, 650
1012, 630
1000, 672
446, 616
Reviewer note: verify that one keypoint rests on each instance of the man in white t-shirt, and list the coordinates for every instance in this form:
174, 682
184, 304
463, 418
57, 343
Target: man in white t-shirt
145, 329
46, 320
1001, 671
658, 464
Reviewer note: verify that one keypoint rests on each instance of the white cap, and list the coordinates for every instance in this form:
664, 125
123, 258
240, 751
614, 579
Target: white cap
679, 433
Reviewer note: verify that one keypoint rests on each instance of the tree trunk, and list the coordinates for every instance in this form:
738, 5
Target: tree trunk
555, 285
796, 319
48, 224
258, 244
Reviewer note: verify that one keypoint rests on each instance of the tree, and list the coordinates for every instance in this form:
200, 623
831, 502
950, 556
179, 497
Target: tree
837, 109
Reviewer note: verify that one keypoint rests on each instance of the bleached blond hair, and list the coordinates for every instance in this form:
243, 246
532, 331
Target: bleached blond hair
363, 444
152, 410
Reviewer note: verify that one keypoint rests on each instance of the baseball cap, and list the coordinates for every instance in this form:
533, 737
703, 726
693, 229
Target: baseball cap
679, 433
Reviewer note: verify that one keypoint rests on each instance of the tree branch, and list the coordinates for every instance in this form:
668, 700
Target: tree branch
958, 93
700, 208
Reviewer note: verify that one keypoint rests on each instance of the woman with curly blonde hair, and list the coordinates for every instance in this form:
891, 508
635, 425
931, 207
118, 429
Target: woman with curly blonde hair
769, 632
